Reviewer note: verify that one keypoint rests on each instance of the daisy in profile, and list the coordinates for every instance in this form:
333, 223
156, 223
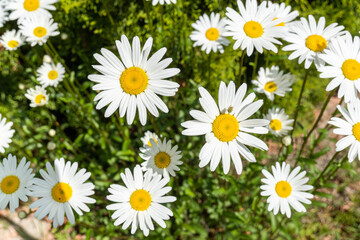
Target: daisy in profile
273, 82
148, 136
38, 29
15, 181
209, 33
37, 96
226, 127
308, 39
50, 74
162, 2
280, 123
140, 201
22, 9
6, 133
343, 66
3, 15
285, 189
253, 27
61, 191
11, 40
134, 83
161, 158
283, 13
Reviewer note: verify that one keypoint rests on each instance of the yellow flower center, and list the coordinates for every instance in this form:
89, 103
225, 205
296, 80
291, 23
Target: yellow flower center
270, 86
253, 29
134, 80
162, 160
31, 5
282, 24
39, 98
52, 75
10, 184
13, 43
140, 200
351, 69
275, 125
149, 143
356, 131
40, 32
225, 127
316, 43
212, 34
61, 192
283, 189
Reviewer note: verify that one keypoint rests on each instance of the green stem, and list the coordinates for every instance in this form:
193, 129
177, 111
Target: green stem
255, 64
316, 181
153, 123
146, 5
241, 65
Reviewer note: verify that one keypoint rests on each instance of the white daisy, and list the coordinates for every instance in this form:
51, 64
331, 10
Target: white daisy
280, 123
155, 2
273, 82
50, 74
60, 191
15, 181
38, 29
149, 135
3, 15
286, 189
343, 59
161, 158
308, 40
253, 27
37, 96
22, 9
140, 201
283, 13
6, 133
209, 33
134, 82
11, 40
225, 127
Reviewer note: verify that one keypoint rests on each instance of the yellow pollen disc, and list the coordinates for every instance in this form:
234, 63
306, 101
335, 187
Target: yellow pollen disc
134, 80
225, 127
270, 86
275, 125
13, 43
40, 32
316, 43
140, 200
283, 189
212, 34
351, 69
61, 192
39, 98
282, 24
10, 184
52, 75
31, 5
253, 29
356, 131
149, 143
162, 160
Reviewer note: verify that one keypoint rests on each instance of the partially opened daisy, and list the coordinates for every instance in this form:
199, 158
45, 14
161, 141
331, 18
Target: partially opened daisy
308, 39
161, 158
285, 189
134, 83
62, 190
6, 133
140, 201
37, 96
226, 127
283, 13
15, 181
209, 33
254, 27
280, 123
50, 74
11, 40
148, 136
22, 9
3, 15
162, 2
273, 82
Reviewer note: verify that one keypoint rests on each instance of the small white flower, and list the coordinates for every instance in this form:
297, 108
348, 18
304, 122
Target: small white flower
50, 74
280, 123
3, 16
37, 96
155, 2
23, 9
148, 136
11, 40
52, 132
6, 133
283, 13
51, 146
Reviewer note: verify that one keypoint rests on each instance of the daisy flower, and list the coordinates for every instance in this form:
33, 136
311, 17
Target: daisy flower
50, 74
140, 201
3, 15
135, 82
6, 133
37, 96
155, 2
15, 181
23, 9
38, 29
161, 158
283, 13
148, 136
209, 33
273, 82
11, 40
253, 27
61, 191
286, 189
225, 127
280, 123
308, 39
343, 59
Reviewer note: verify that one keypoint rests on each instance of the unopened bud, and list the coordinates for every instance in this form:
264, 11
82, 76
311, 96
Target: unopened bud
286, 140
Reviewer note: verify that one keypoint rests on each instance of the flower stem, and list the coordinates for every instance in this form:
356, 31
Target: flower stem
241, 65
